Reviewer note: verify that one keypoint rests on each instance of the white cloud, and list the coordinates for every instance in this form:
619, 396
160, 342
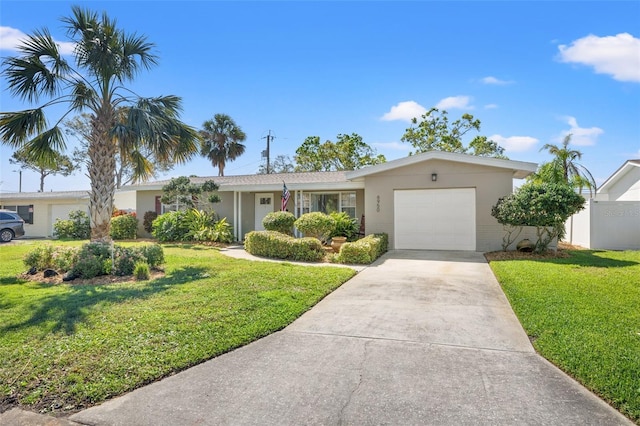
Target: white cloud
10, 38
455, 102
404, 111
618, 56
495, 81
490, 106
514, 143
395, 146
581, 136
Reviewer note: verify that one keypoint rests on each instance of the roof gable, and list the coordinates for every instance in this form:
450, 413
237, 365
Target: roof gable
618, 174
520, 169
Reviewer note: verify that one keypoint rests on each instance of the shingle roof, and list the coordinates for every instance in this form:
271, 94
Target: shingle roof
263, 182
58, 195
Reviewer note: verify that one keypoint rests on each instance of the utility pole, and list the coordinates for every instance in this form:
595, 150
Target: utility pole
266, 153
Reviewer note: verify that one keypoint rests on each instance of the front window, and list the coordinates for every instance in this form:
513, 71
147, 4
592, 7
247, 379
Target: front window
329, 202
25, 212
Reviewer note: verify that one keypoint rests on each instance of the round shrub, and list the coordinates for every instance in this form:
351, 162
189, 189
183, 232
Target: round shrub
279, 222
315, 224
124, 227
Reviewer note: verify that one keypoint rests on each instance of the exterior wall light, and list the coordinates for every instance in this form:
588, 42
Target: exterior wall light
434, 177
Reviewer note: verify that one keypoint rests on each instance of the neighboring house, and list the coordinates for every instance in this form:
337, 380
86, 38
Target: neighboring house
435, 200
41, 209
611, 220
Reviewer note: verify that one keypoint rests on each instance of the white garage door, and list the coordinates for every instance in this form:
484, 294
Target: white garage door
435, 219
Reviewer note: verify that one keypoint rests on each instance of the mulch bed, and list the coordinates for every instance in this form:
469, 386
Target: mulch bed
517, 255
99, 280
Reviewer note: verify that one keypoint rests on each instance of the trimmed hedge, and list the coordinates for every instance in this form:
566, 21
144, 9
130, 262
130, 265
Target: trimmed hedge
277, 245
364, 251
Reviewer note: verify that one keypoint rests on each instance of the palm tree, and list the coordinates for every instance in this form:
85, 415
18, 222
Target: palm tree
105, 57
221, 139
564, 168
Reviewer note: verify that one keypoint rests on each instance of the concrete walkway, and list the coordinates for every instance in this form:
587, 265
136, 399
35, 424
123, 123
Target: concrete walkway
418, 338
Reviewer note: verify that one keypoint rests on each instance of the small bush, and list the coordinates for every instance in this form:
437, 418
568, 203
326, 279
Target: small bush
77, 227
125, 259
279, 222
170, 226
64, 258
147, 220
40, 258
141, 271
93, 260
315, 224
345, 226
192, 225
124, 227
153, 253
363, 251
277, 245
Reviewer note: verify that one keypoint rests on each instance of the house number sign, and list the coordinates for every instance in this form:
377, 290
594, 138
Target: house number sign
378, 204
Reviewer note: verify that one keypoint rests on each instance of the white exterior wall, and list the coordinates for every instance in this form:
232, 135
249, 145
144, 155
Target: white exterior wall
578, 227
606, 225
615, 225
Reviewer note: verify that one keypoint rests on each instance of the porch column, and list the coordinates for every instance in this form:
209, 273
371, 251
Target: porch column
239, 216
235, 215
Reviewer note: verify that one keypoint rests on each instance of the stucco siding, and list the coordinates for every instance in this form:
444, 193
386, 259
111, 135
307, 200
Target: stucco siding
490, 184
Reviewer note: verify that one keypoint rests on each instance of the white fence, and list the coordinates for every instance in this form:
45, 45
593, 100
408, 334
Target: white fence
611, 225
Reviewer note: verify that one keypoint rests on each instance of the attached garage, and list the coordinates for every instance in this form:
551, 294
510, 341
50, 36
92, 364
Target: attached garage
435, 219
438, 200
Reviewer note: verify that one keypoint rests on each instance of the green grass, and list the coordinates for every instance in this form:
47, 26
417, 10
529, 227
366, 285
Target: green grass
583, 314
65, 347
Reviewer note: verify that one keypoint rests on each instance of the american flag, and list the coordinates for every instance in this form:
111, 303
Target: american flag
285, 196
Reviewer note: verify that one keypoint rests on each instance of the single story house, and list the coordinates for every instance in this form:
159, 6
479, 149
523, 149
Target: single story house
610, 220
430, 201
41, 209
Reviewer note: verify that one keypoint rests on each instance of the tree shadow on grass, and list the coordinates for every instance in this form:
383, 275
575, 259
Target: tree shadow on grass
587, 258
72, 307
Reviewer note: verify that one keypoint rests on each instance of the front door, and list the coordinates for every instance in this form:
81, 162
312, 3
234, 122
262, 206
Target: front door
264, 206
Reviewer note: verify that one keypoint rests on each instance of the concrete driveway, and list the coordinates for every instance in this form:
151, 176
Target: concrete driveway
418, 338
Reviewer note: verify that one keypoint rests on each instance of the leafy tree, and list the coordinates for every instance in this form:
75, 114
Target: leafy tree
435, 133
221, 141
134, 163
57, 164
183, 192
565, 168
546, 206
349, 152
105, 58
281, 164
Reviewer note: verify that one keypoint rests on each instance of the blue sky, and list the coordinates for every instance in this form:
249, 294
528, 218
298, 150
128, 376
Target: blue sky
530, 71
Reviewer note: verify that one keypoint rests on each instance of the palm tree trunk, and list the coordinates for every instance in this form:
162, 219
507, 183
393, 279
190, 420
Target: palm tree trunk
102, 167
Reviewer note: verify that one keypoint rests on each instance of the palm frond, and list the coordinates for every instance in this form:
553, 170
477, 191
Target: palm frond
45, 147
17, 127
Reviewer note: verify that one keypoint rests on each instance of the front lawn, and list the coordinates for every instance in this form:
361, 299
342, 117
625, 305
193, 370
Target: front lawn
583, 314
65, 347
